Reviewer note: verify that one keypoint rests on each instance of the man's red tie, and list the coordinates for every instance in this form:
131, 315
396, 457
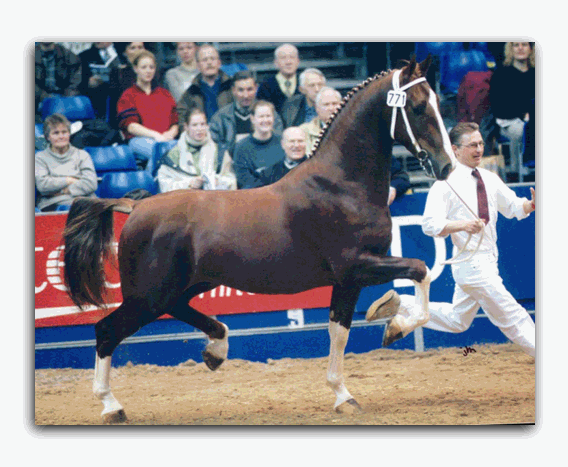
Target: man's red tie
482, 205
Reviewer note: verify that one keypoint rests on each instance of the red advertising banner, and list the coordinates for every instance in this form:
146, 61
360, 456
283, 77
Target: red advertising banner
53, 307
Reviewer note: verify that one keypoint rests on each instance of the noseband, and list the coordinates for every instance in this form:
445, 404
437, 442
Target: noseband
396, 99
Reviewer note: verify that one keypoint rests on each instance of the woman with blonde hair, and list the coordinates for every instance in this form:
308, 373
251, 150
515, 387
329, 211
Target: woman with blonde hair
196, 162
512, 95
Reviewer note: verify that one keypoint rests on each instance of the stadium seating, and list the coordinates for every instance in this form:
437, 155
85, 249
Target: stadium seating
117, 184
438, 49
112, 158
159, 150
74, 108
232, 68
456, 65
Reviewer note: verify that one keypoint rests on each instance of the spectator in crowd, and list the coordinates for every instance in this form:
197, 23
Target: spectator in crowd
478, 283
300, 108
57, 73
145, 110
284, 84
196, 162
294, 145
210, 89
259, 150
512, 95
123, 76
179, 78
96, 65
400, 181
62, 172
327, 102
232, 122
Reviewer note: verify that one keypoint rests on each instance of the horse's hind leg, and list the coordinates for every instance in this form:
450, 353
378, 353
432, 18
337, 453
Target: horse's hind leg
218, 333
110, 331
342, 307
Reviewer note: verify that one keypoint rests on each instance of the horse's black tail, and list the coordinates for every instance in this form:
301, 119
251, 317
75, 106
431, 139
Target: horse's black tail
88, 236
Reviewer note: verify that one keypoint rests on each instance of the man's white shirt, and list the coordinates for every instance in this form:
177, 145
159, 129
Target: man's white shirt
443, 206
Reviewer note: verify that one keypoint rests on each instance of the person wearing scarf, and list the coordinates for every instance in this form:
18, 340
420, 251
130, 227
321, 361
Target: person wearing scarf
196, 162
62, 172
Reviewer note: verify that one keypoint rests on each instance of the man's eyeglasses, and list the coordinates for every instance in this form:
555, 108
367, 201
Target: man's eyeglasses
473, 145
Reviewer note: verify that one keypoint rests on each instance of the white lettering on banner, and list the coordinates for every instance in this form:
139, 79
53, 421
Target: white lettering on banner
296, 317
44, 284
223, 291
110, 285
396, 247
53, 265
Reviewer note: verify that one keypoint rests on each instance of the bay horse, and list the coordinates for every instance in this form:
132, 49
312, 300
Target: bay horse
326, 223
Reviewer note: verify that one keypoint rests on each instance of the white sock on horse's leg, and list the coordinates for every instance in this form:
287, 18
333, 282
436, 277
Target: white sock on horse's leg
338, 336
101, 389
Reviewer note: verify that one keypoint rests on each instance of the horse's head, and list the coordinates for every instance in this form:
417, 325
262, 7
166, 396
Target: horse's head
416, 121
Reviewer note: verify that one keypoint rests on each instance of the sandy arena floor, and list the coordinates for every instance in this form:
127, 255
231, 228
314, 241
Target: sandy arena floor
493, 385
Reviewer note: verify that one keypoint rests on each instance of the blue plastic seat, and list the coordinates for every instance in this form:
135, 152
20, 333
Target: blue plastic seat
232, 68
456, 65
160, 149
439, 49
112, 158
62, 208
117, 184
74, 108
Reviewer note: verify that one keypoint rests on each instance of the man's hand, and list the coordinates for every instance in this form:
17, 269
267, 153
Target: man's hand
473, 227
392, 195
529, 206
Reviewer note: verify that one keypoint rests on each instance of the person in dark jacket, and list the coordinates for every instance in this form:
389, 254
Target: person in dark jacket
294, 145
57, 73
232, 122
97, 63
210, 89
278, 88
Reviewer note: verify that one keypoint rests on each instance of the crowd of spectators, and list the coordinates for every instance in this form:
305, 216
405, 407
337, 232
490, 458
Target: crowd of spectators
222, 132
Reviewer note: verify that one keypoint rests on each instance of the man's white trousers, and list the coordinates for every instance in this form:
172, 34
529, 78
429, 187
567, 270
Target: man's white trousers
478, 284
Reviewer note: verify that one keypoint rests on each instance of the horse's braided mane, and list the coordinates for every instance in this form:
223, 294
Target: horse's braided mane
343, 103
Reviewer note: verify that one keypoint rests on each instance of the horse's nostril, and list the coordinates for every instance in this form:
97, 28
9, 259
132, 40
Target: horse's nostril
446, 171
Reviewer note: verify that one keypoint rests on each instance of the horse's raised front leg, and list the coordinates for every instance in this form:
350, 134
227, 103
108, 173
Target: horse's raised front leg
343, 301
407, 320
378, 270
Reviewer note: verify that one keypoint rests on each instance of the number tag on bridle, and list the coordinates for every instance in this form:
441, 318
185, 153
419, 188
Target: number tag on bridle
396, 99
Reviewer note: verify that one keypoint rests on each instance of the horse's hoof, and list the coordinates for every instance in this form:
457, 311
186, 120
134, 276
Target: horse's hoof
114, 417
392, 333
350, 406
384, 307
211, 360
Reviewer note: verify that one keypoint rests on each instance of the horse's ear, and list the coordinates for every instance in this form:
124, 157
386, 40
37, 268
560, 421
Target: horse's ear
424, 65
411, 67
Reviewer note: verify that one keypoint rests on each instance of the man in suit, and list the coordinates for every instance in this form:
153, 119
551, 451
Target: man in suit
300, 108
210, 89
284, 84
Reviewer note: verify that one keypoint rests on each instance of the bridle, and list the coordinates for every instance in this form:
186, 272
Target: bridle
396, 99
